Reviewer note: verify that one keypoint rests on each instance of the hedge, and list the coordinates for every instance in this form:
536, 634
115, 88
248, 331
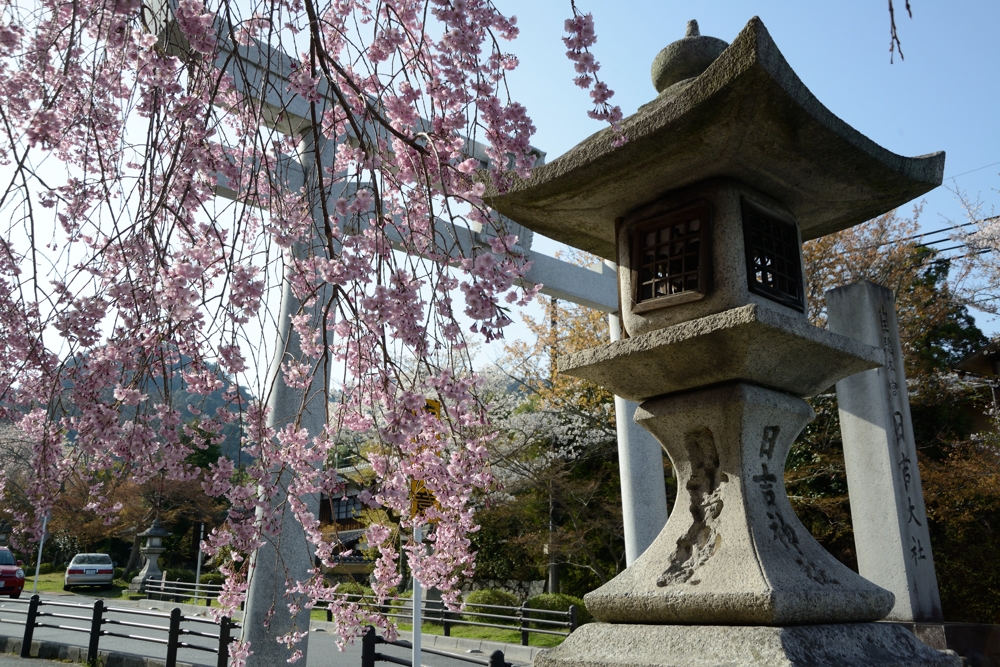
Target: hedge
557, 602
489, 596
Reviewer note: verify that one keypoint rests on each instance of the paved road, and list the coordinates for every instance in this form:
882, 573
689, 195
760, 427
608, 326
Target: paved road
74, 618
323, 653
323, 650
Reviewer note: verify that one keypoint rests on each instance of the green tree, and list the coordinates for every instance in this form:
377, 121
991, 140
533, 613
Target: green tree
557, 459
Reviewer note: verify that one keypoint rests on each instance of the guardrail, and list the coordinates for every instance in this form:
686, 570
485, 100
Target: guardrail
97, 619
369, 656
179, 590
524, 619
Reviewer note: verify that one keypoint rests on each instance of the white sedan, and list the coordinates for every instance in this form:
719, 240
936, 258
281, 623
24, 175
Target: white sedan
89, 570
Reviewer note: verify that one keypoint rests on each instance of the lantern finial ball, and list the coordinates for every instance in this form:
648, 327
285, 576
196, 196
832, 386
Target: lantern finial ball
686, 58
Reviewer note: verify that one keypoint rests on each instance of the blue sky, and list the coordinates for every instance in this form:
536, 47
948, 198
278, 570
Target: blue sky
944, 95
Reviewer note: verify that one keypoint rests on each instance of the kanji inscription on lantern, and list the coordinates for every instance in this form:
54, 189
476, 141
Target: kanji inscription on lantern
769, 439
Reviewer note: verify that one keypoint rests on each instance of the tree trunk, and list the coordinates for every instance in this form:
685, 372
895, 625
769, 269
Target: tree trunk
133, 559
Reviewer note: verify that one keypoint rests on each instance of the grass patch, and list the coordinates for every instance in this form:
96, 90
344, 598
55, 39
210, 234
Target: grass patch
53, 583
511, 636
488, 634
47, 583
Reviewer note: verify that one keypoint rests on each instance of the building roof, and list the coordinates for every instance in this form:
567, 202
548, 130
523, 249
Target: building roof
982, 362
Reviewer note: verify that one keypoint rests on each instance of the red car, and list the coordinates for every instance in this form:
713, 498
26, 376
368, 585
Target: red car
11, 574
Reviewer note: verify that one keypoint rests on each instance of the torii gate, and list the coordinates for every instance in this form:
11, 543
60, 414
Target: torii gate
262, 72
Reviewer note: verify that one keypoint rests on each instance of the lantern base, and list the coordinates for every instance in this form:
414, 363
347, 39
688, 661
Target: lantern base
833, 645
733, 551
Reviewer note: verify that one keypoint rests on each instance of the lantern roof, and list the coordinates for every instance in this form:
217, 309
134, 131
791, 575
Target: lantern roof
156, 530
746, 117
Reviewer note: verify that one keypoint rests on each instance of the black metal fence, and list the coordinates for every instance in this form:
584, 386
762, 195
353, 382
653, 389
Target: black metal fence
179, 591
369, 655
38, 613
524, 619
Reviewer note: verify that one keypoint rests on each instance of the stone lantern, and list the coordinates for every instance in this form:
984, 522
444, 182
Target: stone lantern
704, 209
151, 549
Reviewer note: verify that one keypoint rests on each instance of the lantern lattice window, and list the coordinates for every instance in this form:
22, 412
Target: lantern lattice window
671, 258
774, 269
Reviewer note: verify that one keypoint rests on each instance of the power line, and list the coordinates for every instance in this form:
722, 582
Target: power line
936, 231
946, 229
972, 170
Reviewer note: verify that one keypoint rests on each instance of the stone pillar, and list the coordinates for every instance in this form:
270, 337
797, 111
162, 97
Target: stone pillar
887, 502
640, 464
288, 557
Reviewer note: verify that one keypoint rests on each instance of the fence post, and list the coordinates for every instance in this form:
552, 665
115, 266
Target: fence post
329, 612
446, 621
96, 621
522, 612
368, 648
224, 627
29, 626
173, 636
572, 618
497, 660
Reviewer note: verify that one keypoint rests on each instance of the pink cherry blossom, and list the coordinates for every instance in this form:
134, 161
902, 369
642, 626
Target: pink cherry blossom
187, 192
581, 38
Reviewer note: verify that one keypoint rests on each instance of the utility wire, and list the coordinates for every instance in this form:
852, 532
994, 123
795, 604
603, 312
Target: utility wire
946, 229
972, 171
936, 231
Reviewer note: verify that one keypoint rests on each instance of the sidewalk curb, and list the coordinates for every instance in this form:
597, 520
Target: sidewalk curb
511, 652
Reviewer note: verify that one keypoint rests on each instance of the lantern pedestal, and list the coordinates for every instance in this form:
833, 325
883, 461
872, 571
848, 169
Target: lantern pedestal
833, 645
733, 551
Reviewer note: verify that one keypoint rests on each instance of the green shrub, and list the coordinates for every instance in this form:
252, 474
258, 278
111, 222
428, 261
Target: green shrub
399, 601
185, 576
489, 596
557, 602
119, 573
46, 568
354, 588
214, 578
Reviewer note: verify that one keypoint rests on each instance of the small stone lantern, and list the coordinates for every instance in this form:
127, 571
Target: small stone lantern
151, 549
704, 209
